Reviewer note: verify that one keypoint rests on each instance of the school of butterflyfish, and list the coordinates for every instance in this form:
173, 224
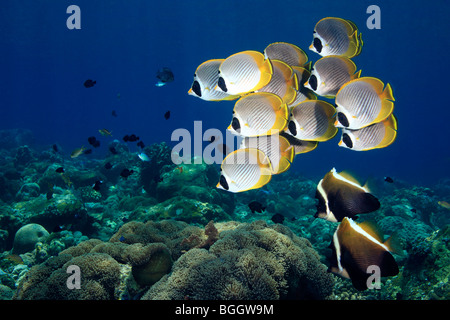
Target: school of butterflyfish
279, 115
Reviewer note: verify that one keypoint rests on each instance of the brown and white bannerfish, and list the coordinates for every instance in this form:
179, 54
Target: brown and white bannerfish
257, 114
330, 73
302, 92
283, 83
205, 81
362, 102
244, 169
277, 148
288, 53
375, 136
336, 36
299, 146
244, 72
359, 248
312, 120
340, 195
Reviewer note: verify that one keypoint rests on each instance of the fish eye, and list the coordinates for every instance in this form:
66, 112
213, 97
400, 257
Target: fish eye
221, 84
347, 140
196, 88
318, 45
195, 75
313, 82
223, 182
292, 128
236, 125
343, 119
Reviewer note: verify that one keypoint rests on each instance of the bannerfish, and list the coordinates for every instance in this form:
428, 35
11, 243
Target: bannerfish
340, 195
277, 149
336, 36
312, 120
89, 83
286, 52
205, 82
77, 152
257, 114
244, 72
299, 146
376, 136
330, 73
256, 206
362, 102
283, 82
244, 169
105, 132
357, 249
164, 75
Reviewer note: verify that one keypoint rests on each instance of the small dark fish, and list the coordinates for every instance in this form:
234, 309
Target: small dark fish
130, 138
167, 115
113, 113
60, 170
164, 75
58, 228
108, 166
388, 179
122, 239
49, 195
87, 151
277, 218
113, 150
141, 144
126, 173
89, 83
94, 142
414, 210
97, 185
256, 206
55, 148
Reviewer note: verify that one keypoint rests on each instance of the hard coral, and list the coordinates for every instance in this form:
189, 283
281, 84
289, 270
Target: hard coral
249, 261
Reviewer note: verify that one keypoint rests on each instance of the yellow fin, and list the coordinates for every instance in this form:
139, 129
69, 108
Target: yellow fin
387, 107
355, 75
391, 132
352, 50
376, 83
387, 93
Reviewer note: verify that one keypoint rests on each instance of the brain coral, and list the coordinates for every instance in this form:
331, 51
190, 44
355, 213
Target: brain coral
248, 261
227, 260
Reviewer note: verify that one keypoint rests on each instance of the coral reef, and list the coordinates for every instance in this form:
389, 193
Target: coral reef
248, 261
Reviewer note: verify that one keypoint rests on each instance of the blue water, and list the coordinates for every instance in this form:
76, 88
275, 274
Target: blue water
121, 45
